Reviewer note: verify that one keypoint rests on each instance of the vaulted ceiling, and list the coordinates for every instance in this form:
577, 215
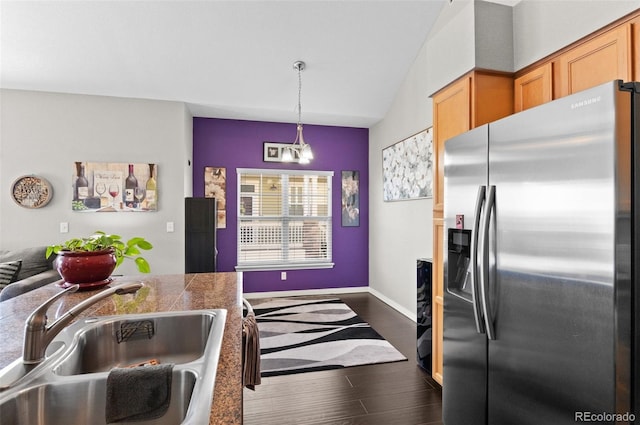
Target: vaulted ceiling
226, 59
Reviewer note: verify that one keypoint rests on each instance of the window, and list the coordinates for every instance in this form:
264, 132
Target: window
284, 219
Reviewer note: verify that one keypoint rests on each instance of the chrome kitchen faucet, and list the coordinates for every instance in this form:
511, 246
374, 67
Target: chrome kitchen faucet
37, 335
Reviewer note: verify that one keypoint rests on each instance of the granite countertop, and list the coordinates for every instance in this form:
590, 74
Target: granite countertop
165, 293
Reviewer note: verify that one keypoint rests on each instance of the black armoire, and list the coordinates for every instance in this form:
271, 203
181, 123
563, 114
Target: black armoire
200, 235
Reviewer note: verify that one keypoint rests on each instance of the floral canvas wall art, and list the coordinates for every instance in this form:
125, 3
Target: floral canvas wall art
215, 186
350, 198
407, 168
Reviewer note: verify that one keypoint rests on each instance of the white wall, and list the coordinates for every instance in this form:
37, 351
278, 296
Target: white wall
44, 133
400, 232
450, 46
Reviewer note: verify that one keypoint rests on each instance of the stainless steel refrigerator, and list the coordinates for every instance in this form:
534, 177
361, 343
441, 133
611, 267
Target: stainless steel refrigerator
541, 214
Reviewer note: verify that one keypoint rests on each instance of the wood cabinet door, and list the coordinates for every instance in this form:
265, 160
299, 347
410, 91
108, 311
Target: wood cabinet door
451, 116
601, 59
533, 88
492, 96
438, 299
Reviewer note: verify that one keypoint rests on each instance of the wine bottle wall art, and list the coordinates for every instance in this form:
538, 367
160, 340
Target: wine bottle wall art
115, 187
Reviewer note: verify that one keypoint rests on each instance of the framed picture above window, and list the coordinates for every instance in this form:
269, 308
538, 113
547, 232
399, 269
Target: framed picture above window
272, 152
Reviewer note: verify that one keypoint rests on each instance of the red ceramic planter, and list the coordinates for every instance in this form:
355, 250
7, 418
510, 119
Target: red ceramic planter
90, 270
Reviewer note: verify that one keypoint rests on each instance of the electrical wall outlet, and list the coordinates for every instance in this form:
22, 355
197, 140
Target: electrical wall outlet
170, 227
283, 275
64, 227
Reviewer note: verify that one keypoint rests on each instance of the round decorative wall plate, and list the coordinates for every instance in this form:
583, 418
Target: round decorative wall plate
31, 191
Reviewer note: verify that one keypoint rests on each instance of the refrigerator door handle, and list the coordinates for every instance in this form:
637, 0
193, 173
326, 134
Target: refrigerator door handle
484, 264
475, 292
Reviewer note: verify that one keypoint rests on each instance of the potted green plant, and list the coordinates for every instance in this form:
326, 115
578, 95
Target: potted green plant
90, 261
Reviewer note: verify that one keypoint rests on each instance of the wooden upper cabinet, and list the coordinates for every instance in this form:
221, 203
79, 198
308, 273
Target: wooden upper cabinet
451, 116
475, 99
492, 97
604, 58
533, 88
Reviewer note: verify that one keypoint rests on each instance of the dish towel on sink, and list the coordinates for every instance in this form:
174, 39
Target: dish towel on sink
138, 393
250, 351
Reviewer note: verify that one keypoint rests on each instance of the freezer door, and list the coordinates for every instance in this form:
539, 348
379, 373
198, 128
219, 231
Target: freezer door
552, 288
465, 349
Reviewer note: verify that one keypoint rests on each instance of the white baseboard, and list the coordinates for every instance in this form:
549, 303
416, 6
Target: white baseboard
327, 291
332, 291
400, 309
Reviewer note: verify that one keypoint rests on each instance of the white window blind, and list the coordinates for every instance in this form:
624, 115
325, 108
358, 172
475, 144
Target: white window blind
284, 219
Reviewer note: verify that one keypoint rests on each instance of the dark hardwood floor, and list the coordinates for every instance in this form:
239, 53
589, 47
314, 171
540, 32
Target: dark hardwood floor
398, 393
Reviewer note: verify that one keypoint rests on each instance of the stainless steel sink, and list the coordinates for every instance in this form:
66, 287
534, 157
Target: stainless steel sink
69, 386
125, 341
82, 401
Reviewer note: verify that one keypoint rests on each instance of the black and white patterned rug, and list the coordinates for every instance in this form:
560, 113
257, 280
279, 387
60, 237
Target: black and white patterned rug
305, 334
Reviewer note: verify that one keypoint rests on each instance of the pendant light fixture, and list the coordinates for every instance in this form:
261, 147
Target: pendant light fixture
298, 149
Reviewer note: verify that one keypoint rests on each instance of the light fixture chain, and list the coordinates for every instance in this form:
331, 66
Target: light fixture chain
299, 95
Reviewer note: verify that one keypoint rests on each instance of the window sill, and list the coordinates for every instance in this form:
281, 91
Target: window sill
268, 267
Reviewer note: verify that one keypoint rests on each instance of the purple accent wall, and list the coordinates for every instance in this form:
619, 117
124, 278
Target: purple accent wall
238, 144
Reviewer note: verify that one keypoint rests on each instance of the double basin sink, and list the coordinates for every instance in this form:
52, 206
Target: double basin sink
70, 385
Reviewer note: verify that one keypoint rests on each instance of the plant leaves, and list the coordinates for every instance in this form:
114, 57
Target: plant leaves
134, 241
100, 240
131, 251
145, 245
143, 265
